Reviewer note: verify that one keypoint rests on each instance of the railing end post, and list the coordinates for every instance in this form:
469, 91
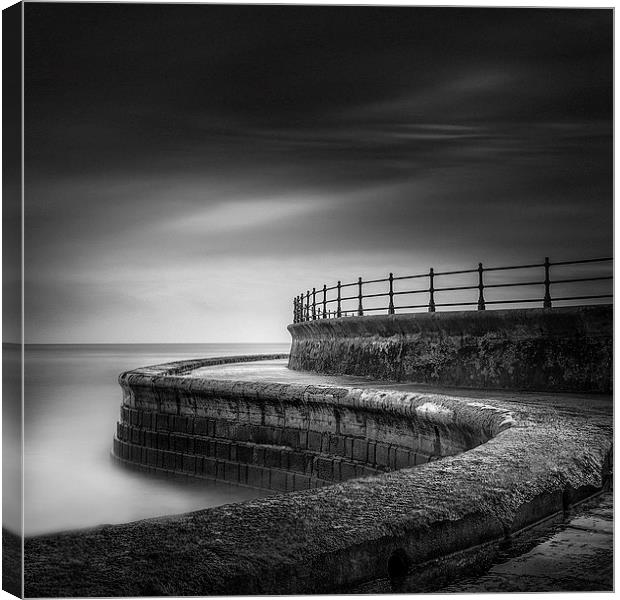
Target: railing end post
338, 308
360, 308
314, 304
431, 290
547, 299
481, 303
391, 293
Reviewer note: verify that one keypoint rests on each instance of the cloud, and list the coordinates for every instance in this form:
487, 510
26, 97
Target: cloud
241, 215
190, 168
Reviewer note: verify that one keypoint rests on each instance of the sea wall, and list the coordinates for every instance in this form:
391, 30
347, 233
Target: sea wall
283, 437
494, 465
559, 349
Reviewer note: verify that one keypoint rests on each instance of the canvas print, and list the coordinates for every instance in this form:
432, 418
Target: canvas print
306, 299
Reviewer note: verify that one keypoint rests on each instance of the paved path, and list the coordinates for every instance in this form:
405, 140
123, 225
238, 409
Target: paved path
576, 556
276, 371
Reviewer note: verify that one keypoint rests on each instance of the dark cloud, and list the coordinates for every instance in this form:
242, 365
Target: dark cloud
300, 140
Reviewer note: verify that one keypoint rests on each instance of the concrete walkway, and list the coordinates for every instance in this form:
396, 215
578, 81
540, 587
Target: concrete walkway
276, 371
576, 556
573, 556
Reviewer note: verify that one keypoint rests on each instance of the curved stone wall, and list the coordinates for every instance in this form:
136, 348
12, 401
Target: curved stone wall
527, 460
284, 437
559, 349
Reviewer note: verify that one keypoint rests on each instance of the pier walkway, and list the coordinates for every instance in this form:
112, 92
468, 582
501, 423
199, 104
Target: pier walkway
576, 555
276, 371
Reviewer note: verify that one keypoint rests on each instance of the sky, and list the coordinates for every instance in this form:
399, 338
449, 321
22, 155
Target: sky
191, 168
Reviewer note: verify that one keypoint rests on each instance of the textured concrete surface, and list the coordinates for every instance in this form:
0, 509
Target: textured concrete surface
576, 556
11, 563
433, 522
559, 349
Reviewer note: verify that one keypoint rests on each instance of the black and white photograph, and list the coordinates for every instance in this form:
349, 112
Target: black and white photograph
306, 299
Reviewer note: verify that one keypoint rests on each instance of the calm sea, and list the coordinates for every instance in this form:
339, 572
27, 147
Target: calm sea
72, 402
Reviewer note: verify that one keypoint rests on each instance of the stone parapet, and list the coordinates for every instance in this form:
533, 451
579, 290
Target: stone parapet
284, 436
558, 349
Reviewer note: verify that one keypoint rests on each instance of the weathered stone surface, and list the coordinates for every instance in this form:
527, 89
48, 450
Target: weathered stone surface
229, 419
577, 557
559, 349
542, 450
12, 563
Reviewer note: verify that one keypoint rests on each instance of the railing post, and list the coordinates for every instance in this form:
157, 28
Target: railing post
338, 311
480, 288
360, 309
431, 290
324, 301
391, 306
301, 308
314, 304
294, 310
307, 305
547, 300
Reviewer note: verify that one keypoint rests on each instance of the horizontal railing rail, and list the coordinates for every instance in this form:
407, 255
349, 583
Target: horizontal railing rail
315, 304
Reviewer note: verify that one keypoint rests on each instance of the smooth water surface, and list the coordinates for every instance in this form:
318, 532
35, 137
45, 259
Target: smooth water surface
72, 402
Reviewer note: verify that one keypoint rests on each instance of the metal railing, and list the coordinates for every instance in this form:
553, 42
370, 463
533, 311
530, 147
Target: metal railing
316, 304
